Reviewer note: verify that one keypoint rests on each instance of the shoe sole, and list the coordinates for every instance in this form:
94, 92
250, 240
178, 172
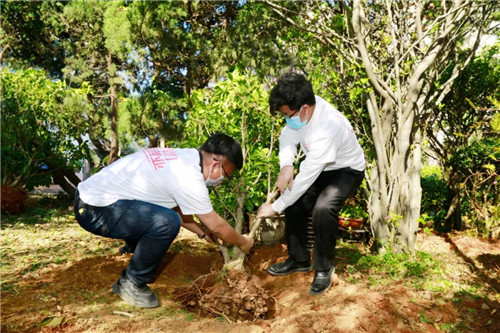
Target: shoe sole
327, 288
302, 269
116, 289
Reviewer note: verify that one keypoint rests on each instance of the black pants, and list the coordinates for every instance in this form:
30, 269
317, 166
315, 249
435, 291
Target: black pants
323, 200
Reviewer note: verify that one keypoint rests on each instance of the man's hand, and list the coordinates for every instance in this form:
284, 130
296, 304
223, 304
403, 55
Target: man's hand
266, 210
247, 246
209, 237
285, 178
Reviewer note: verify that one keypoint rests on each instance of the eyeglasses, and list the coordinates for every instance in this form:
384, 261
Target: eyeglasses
290, 116
223, 169
225, 172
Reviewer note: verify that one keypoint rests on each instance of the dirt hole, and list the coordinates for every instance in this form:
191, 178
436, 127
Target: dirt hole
237, 297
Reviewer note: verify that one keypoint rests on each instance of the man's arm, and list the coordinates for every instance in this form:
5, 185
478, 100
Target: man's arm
289, 141
220, 228
308, 173
285, 178
188, 222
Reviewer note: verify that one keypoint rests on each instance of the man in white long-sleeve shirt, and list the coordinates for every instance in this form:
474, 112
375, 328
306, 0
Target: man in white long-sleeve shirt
332, 170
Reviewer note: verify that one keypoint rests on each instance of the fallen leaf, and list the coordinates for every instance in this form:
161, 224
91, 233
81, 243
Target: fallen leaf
52, 321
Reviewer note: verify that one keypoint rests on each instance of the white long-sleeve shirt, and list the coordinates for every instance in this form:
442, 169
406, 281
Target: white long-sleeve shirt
329, 143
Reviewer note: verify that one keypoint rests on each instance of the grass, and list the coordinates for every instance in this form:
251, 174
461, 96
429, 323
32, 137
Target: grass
422, 272
400, 266
47, 234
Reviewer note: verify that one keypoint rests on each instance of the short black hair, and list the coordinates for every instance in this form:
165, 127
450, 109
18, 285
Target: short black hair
292, 89
222, 144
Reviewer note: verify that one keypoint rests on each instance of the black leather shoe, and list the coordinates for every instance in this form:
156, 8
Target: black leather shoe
288, 266
322, 281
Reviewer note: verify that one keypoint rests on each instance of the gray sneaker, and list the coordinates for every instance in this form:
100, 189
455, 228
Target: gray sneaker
134, 295
127, 249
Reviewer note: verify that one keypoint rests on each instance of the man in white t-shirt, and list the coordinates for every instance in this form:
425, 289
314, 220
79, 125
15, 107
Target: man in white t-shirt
145, 197
332, 170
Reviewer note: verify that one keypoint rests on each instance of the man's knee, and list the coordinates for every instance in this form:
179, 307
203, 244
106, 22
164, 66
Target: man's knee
327, 205
167, 224
176, 224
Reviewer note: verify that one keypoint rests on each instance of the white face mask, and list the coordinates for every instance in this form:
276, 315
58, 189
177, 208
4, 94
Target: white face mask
214, 182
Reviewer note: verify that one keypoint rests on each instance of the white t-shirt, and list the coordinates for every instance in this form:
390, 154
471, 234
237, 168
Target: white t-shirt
329, 143
164, 176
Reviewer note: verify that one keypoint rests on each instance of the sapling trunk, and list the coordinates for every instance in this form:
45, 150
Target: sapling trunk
238, 255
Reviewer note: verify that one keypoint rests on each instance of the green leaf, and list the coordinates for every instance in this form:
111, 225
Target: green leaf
52, 321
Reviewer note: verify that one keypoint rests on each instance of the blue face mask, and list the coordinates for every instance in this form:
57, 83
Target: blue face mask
295, 122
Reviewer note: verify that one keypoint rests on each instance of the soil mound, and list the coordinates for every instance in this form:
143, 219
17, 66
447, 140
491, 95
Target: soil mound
13, 199
237, 297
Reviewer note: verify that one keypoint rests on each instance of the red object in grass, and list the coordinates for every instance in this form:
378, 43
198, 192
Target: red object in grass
348, 222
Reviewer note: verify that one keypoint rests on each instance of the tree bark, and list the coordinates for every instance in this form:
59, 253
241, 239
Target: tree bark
453, 218
60, 179
113, 112
71, 176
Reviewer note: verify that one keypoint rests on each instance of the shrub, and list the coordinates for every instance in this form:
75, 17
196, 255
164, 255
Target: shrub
435, 196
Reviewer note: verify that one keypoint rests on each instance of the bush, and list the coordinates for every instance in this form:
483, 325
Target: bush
435, 197
479, 165
13, 199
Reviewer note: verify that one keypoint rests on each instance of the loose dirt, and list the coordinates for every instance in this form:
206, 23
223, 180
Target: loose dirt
238, 297
76, 296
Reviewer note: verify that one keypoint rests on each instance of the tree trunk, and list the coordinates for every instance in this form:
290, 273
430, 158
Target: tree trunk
101, 147
60, 179
411, 195
86, 169
453, 218
238, 257
113, 112
64, 177
71, 176
377, 210
395, 203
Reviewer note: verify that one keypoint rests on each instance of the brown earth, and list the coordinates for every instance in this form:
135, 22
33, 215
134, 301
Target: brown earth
13, 199
76, 296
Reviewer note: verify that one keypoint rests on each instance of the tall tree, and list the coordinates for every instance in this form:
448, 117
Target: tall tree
256, 41
27, 36
95, 36
179, 37
402, 48
176, 43
79, 41
466, 111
